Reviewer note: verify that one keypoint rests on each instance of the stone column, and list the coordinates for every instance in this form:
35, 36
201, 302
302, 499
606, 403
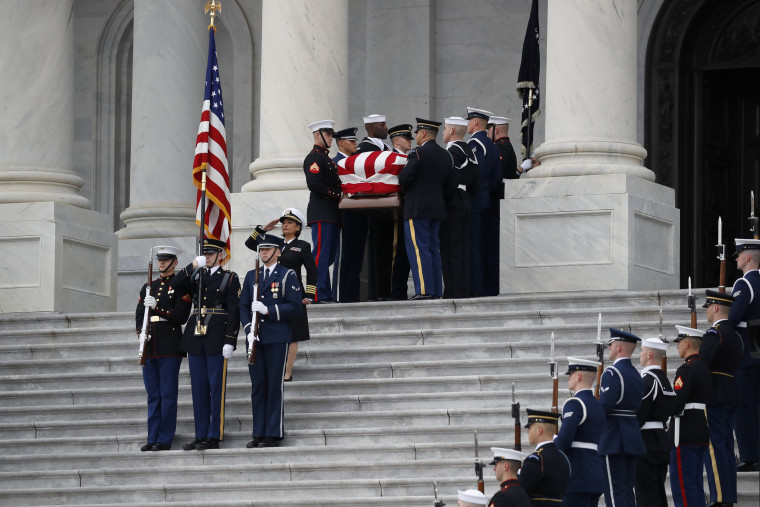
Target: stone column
63, 253
304, 65
590, 217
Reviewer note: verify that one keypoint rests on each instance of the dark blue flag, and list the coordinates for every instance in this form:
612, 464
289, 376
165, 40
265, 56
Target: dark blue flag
527, 82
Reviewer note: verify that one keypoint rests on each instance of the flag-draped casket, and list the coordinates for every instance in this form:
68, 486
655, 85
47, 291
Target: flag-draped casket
370, 179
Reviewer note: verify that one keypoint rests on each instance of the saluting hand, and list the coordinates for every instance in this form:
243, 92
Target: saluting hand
270, 225
199, 261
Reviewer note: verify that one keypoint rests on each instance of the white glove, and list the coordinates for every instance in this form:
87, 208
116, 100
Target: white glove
201, 261
149, 302
227, 350
258, 306
526, 164
252, 337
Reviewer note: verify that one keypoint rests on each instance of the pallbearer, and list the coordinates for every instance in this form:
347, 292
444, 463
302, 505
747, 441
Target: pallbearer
506, 465
546, 471
582, 419
170, 309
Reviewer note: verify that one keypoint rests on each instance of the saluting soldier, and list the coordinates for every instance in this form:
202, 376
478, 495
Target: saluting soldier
280, 302
206, 351
654, 412
620, 392
578, 437
322, 213
401, 138
721, 350
688, 429
296, 254
546, 471
506, 466
424, 179
170, 309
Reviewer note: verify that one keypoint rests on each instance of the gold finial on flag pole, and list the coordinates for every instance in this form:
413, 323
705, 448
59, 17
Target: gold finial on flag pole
213, 6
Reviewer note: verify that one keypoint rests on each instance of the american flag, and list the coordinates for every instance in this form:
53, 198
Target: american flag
371, 172
211, 155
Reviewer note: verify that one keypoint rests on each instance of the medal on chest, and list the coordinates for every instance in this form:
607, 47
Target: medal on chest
275, 288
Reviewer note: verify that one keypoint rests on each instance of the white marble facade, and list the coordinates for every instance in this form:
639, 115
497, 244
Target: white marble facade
109, 98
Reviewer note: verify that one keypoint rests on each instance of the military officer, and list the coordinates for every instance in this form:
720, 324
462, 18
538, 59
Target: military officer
654, 412
578, 437
455, 231
546, 471
401, 138
215, 293
280, 302
506, 465
745, 317
322, 213
170, 310
471, 498
620, 445
483, 248
425, 179
688, 429
498, 131
721, 350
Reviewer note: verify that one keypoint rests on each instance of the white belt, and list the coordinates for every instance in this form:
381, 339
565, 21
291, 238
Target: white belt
741, 324
653, 425
694, 406
584, 445
462, 187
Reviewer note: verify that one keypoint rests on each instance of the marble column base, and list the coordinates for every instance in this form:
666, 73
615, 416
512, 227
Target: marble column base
596, 232
282, 173
57, 258
158, 220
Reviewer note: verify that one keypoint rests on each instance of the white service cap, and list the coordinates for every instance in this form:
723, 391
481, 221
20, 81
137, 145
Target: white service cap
455, 120
322, 124
472, 496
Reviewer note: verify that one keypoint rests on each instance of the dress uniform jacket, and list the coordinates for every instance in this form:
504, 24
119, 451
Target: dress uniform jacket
425, 179
545, 474
465, 175
282, 296
295, 255
371, 144
510, 494
487, 154
721, 350
220, 293
578, 437
620, 394
656, 408
692, 386
507, 159
324, 185
172, 310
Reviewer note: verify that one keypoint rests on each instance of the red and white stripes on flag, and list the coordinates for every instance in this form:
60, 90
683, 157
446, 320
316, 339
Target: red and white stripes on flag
372, 172
211, 155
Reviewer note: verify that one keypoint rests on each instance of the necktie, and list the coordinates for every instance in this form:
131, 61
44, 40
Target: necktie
266, 278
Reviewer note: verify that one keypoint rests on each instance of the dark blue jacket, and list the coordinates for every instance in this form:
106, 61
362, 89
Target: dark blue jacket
746, 307
620, 394
282, 297
425, 179
487, 154
721, 350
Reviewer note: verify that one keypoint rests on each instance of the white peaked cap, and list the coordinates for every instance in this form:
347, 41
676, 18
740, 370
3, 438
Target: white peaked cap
167, 250
455, 120
689, 331
321, 124
472, 496
499, 120
654, 343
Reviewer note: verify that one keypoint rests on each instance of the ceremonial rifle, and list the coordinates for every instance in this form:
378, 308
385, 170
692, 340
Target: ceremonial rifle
599, 355
479, 467
438, 503
555, 380
691, 301
721, 257
753, 220
256, 319
516, 417
664, 359
145, 332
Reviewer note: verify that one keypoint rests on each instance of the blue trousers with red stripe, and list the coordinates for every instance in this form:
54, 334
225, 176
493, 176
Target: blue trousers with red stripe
423, 250
325, 240
686, 462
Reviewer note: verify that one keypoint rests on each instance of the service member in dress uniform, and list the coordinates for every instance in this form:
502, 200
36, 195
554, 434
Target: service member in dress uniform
483, 249
506, 465
455, 231
425, 179
745, 317
582, 419
401, 138
280, 302
206, 352
296, 255
170, 309
721, 350
620, 392
322, 213
498, 131
471, 498
653, 414
546, 471
688, 429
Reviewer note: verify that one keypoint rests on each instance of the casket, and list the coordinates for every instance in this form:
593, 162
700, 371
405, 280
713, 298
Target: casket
370, 180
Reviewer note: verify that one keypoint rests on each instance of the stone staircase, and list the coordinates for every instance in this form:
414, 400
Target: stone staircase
386, 399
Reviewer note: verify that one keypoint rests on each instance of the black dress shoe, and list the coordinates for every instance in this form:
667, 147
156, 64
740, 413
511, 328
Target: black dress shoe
270, 442
419, 297
147, 447
160, 447
255, 442
289, 379
192, 445
747, 467
209, 443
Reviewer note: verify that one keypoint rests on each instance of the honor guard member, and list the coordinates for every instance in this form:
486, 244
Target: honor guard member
546, 471
424, 179
745, 317
401, 138
217, 304
455, 231
653, 414
721, 350
578, 437
506, 465
483, 248
295, 255
471, 498
280, 302
620, 392
688, 430
322, 213
170, 310
498, 131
